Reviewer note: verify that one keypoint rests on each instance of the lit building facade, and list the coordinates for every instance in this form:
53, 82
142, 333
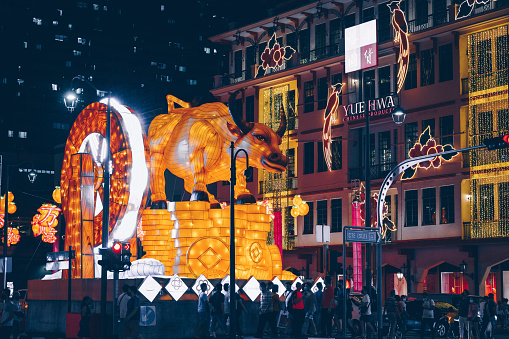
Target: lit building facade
450, 211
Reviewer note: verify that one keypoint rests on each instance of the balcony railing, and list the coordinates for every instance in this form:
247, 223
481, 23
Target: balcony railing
486, 81
427, 22
486, 229
379, 171
271, 186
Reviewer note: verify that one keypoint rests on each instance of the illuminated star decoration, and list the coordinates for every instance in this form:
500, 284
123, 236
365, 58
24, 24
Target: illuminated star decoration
329, 118
400, 36
427, 145
45, 222
274, 55
387, 224
467, 7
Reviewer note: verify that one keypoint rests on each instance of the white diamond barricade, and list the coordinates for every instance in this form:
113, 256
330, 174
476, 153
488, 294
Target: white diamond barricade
281, 287
201, 279
176, 287
226, 280
150, 288
294, 285
252, 288
319, 280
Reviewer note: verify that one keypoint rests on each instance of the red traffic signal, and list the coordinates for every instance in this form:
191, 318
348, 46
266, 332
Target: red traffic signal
117, 247
127, 247
497, 142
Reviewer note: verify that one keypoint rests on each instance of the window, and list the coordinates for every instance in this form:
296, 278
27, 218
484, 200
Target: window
82, 41
59, 37
337, 154
368, 14
421, 13
501, 53
37, 21
384, 78
445, 63
55, 23
250, 60
38, 47
372, 149
76, 53
336, 215
431, 124
335, 32
96, 7
384, 153
411, 135
429, 206
192, 82
321, 212
320, 41
350, 20
308, 219
10, 134
238, 63
486, 202
447, 204
250, 108
309, 158
54, 87
4, 81
68, 64
503, 198
411, 208
291, 40
182, 68
446, 130
22, 135
309, 97
384, 23
25, 44
322, 165
304, 45
439, 12
369, 84
427, 68
323, 91
388, 202
162, 8
207, 50
411, 77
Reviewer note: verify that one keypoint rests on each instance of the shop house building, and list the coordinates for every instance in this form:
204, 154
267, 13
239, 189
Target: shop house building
450, 216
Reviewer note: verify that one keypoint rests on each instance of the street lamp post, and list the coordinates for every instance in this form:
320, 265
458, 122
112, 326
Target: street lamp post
233, 177
106, 203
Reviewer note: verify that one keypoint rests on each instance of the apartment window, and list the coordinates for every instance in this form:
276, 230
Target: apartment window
411, 208
37, 21
54, 87
250, 108
290, 167
336, 215
238, 63
369, 84
59, 37
162, 8
368, 14
25, 44
38, 47
503, 198
22, 135
411, 136
446, 130
427, 67
292, 41
439, 12
320, 41
182, 68
429, 206
68, 64
384, 76
384, 152
321, 212
501, 53
304, 45
192, 82
487, 203
322, 165
96, 7
421, 12
309, 157
250, 60
384, 23
337, 154
207, 50
10, 134
309, 97
323, 91
4, 81
431, 124
335, 32
350, 20
76, 53
411, 77
484, 58
445, 63
308, 219
447, 204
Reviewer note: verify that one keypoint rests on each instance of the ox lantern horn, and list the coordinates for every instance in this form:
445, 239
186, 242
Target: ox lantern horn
282, 127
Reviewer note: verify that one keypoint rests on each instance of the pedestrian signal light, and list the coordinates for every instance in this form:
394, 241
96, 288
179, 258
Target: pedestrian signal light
127, 247
117, 247
497, 143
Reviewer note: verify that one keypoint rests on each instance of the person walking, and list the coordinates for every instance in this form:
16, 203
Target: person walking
132, 318
203, 311
463, 314
328, 307
7, 319
473, 318
239, 311
298, 311
489, 315
276, 308
122, 309
318, 304
484, 316
391, 308
365, 310
403, 314
288, 294
309, 308
428, 315
266, 309
226, 307
216, 304
19, 314
87, 309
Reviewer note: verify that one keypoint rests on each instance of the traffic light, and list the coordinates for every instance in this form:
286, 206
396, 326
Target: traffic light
497, 143
107, 258
117, 257
125, 257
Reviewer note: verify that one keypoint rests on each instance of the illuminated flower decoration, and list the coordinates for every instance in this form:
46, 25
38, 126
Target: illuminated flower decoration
467, 7
387, 223
427, 145
274, 55
13, 236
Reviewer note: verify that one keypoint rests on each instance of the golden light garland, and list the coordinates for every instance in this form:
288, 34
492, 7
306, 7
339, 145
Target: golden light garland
488, 117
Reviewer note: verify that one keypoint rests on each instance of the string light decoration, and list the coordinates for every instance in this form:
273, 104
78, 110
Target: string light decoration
467, 7
329, 119
46, 222
274, 56
400, 36
488, 115
427, 145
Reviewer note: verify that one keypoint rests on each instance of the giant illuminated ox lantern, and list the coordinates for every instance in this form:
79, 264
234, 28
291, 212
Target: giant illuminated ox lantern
193, 143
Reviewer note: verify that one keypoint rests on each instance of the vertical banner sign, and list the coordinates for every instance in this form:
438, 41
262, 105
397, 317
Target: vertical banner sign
278, 231
329, 118
357, 250
361, 47
400, 36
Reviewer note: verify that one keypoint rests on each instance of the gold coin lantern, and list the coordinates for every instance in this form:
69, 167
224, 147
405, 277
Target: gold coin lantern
300, 207
11, 208
57, 197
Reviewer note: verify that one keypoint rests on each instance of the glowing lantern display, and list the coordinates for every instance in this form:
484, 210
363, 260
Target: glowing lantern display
297, 200
57, 197
45, 222
294, 212
13, 236
11, 208
300, 207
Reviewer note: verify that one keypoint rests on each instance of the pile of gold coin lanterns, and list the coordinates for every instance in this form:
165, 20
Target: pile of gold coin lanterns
11, 208
300, 207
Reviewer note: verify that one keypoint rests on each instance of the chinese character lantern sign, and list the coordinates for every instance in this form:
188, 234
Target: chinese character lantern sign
12, 236
45, 222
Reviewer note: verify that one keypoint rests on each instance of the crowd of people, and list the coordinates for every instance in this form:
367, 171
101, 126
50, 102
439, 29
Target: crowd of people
12, 315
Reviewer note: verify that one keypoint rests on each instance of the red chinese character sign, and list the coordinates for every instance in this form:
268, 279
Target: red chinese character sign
13, 236
329, 119
274, 56
45, 222
400, 36
427, 145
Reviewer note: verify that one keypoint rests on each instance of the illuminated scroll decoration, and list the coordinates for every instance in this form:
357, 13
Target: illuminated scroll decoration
329, 118
467, 7
274, 55
400, 36
427, 145
45, 222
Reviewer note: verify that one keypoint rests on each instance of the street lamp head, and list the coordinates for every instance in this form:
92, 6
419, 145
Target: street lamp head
70, 101
32, 176
463, 266
399, 275
398, 115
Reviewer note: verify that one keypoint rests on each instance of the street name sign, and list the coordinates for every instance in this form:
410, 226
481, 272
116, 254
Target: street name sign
364, 236
63, 255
